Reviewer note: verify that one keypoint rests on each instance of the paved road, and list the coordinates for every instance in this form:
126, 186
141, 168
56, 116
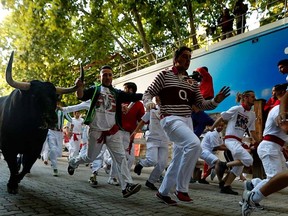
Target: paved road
40, 193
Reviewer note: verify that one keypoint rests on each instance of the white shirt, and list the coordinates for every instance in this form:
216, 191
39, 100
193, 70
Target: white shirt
239, 120
105, 111
82, 106
78, 123
155, 130
211, 140
271, 126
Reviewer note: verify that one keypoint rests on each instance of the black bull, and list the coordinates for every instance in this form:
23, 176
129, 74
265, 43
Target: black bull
25, 116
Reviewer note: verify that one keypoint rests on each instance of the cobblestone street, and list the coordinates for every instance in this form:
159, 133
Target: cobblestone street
40, 193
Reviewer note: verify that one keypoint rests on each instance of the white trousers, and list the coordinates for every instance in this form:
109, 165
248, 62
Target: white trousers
125, 141
209, 157
238, 153
74, 146
186, 151
272, 159
98, 162
117, 152
157, 156
53, 147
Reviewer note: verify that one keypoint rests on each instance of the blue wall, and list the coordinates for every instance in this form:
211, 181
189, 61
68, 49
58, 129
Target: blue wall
246, 65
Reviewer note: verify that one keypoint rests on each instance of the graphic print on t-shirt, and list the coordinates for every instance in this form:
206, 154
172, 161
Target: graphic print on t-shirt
241, 122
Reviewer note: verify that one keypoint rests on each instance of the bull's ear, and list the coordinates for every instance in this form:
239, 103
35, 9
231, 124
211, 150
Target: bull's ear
9, 79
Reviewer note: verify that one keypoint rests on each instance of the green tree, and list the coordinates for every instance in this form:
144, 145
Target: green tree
53, 37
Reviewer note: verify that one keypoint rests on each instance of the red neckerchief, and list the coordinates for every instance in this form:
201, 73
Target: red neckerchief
174, 70
246, 107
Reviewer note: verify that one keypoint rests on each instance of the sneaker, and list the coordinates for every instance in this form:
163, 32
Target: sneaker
70, 170
151, 186
55, 172
93, 180
248, 185
166, 199
183, 196
248, 205
228, 190
192, 180
257, 205
107, 168
213, 174
221, 184
137, 169
113, 181
131, 189
203, 181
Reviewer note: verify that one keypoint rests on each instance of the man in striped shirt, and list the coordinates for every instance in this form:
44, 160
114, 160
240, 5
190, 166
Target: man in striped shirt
177, 95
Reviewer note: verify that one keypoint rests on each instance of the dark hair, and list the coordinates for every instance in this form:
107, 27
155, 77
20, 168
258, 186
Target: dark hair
131, 85
106, 67
281, 87
240, 96
179, 51
283, 62
205, 68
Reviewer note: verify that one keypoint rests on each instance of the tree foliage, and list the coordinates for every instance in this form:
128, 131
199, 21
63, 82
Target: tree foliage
53, 37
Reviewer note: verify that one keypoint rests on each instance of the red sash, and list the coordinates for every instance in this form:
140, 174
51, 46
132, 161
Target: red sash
275, 139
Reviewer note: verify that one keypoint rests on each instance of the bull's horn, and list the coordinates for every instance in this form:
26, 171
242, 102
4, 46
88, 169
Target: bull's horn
60, 90
9, 79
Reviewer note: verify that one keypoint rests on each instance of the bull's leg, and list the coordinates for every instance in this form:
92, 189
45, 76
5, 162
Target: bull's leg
19, 162
27, 162
11, 159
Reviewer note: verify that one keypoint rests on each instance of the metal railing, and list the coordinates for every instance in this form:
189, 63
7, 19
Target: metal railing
143, 61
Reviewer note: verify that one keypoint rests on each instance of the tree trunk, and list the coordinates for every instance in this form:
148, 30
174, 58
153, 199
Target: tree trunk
192, 26
142, 34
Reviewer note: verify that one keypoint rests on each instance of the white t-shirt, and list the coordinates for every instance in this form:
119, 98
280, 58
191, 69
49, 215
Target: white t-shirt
105, 111
78, 123
211, 140
155, 130
271, 127
239, 120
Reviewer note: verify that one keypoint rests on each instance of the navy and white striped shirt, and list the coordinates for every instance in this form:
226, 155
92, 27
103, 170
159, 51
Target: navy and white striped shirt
176, 95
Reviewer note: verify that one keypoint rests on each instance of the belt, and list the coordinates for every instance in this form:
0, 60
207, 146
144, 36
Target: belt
274, 139
233, 137
165, 115
77, 133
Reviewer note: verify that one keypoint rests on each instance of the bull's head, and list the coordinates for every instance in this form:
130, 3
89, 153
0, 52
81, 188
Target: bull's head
26, 85
42, 96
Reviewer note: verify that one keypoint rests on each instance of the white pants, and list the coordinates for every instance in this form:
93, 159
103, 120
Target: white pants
156, 155
126, 140
272, 159
238, 153
74, 146
186, 151
98, 162
209, 157
53, 147
116, 149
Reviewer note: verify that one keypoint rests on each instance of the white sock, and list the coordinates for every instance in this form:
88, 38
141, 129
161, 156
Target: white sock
257, 196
